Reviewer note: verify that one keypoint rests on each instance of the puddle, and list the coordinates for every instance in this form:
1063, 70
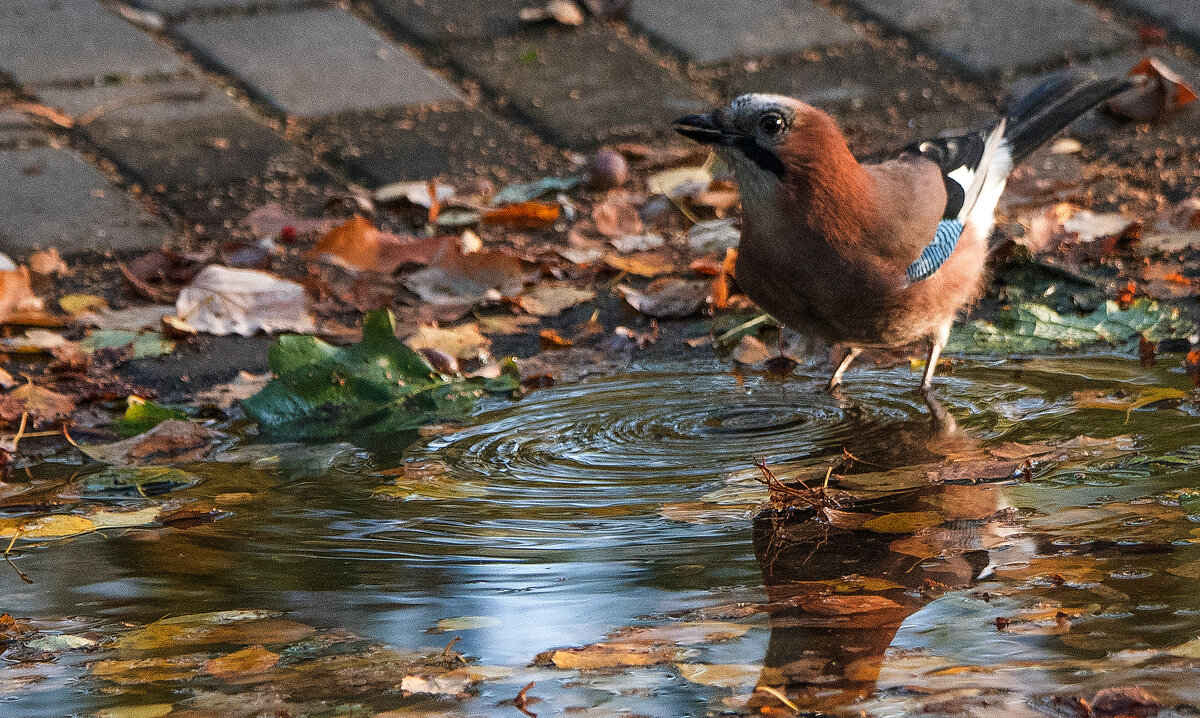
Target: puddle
610, 515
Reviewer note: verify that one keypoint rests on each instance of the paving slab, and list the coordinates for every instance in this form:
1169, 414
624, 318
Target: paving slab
45, 41
714, 30
317, 62
53, 198
180, 7
580, 86
437, 21
986, 36
17, 129
1182, 14
377, 148
180, 132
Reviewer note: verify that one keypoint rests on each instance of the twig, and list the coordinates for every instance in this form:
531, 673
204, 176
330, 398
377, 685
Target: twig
779, 696
447, 654
521, 701
16, 535
20, 430
742, 328
23, 577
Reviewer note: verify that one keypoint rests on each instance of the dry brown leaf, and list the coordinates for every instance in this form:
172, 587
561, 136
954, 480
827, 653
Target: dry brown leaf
643, 265
17, 300
526, 215
356, 243
246, 662
271, 219
602, 655
551, 339
550, 299
48, 263
848, 605
1162, 93
41, 404
616, 216
461, 342
668, 297
455, 278
173, 441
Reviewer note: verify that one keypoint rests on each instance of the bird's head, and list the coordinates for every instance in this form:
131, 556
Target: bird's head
758, 135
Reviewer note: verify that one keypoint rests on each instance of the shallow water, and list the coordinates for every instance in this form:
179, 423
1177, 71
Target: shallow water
546, 516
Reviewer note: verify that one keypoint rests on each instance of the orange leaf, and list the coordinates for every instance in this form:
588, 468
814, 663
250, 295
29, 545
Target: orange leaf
526, 215
357, 243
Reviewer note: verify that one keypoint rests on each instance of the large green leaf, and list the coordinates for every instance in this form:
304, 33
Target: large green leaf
1028, 327
322, 391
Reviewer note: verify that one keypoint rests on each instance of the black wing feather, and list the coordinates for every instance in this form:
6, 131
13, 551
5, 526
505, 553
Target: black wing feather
949, 154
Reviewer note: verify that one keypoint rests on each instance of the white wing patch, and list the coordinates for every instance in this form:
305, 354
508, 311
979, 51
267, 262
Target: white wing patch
963, 176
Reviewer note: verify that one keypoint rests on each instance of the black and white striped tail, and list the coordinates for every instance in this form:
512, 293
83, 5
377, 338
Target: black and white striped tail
975, 166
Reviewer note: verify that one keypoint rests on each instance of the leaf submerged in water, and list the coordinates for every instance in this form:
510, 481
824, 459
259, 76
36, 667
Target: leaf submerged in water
320, 391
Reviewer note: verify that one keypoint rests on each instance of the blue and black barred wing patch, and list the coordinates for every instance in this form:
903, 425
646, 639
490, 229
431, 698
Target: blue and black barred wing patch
937, 252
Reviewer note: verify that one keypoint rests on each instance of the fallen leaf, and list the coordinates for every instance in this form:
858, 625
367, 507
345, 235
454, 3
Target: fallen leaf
903, 523
565, 12
627, 243
601, 655
455, 278
170, 442
551, 339
550, 299
46, 527
643, 265
617, 217
681, 633
224, 301
1126, 400
41, 404
79, 303
359, 245
132, 319
466, 623
849, 605
527, 215
461, 342
506, 324
415, 191
751, 352
142, 415
715, 236
244, 628
668, 297
685, 181
444, 685
48, 263
34, 341
246, 662
720, 675
1162, 93
17, 301
520, 193
244, 386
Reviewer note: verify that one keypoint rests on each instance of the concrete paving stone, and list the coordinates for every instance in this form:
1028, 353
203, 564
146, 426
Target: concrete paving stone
44, 41
987, 36
317, 62
453, 20
377, 148
580, 86
180, 132
1182, 14
17, 129
714, 30
54, 198
180, 7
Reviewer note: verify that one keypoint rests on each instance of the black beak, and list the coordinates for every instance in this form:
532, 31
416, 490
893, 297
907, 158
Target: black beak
701, 128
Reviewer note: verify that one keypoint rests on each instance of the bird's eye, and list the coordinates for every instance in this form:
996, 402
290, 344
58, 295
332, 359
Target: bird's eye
771, 124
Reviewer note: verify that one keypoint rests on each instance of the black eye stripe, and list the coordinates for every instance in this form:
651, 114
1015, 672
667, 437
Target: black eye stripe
761, 156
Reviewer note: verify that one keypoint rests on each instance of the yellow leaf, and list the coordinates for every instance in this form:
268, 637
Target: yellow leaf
76, 303
46, 527
727, 675
467, 623
246, 662
903, 523
1128, 402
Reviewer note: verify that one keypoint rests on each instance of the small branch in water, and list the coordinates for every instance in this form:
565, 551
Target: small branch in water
522, 701
779, 696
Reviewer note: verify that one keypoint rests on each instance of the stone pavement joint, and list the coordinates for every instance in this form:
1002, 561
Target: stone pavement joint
1182, 14
57, 41
713, 30
312, 63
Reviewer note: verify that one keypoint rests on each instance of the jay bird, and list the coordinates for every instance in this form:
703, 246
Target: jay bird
873, 255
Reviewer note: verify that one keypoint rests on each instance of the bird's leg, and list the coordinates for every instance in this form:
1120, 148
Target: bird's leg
936, 344
942, 420
851, 354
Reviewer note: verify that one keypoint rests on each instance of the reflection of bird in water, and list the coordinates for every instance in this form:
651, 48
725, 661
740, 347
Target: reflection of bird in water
838, 595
